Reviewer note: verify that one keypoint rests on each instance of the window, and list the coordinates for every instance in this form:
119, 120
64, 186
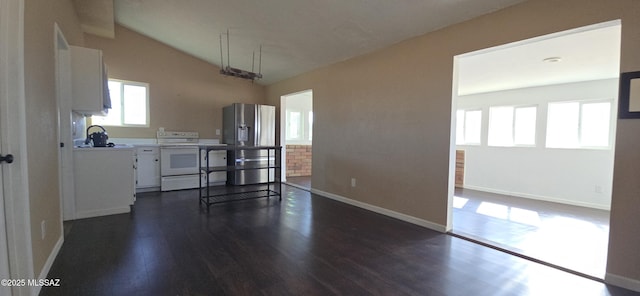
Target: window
310, 126
468, 127
294, 125
524, 126
512, 126
299, 126
579, 124
129, 104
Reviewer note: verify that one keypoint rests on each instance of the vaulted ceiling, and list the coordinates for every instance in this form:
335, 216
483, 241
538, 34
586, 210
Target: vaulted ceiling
301, 35
296, 35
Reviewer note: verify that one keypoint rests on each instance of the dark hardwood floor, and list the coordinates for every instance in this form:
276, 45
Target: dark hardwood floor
567, 236
302, 245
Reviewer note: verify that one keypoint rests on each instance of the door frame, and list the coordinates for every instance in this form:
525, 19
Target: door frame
13, 141
454, 99
283, 127
64, 101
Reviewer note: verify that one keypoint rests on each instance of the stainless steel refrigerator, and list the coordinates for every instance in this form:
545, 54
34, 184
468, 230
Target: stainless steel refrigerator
249, 125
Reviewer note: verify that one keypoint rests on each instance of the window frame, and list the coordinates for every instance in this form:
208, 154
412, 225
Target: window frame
580, 103
122, 123
305, 127
535, 125
514, 109
464, 127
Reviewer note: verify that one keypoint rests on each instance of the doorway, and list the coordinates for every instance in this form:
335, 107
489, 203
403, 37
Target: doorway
63, 101
535, 146
297, 131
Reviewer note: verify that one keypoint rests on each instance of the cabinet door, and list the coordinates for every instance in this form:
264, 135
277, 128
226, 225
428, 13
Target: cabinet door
216, 159
148, 167
104, 181
89, 88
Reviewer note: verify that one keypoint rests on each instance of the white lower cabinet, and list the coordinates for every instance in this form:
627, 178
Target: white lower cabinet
104, 181
148, 168
216, 159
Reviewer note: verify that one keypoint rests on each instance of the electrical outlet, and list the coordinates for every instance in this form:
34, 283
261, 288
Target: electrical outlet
598, 189
43, 229
353, 182
217, 132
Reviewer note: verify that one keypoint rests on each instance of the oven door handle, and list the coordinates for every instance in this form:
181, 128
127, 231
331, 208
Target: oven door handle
179, 147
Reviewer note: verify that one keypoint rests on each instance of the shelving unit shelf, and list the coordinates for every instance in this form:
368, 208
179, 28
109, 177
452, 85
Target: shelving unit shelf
210, 195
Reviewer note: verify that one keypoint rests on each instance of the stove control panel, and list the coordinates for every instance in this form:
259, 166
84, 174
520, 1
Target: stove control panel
177, 135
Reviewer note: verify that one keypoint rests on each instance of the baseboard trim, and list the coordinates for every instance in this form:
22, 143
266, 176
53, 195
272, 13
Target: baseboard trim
297, 186
47, 264
148, 189
383, 211
539, 197
624, 282
103, 212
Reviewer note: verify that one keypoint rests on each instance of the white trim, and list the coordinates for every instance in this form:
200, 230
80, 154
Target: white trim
283, 138
14, 141
383, 211
620, 281
542, 38
297, 186
540, 197
64, 122
47, 265
283, 130
154, 189
103, 212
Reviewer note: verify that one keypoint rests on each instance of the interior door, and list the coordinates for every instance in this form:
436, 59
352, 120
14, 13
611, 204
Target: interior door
4, 253
5, 272
16, 260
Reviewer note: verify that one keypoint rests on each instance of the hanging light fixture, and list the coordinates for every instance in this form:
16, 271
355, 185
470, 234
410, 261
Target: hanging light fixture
235, 72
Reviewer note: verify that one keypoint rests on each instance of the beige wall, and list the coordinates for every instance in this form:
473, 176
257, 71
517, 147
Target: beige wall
186, 93
41, 113
384, 118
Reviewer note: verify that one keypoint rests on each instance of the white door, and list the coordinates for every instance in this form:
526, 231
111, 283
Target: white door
4, 253
15, 235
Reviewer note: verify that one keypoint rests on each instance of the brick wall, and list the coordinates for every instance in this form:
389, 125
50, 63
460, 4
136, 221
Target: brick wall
298, 160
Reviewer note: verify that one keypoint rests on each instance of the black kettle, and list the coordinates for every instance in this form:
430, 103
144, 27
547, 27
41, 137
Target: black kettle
99, 138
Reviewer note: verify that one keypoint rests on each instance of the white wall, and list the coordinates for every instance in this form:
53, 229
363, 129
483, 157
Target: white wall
573, 176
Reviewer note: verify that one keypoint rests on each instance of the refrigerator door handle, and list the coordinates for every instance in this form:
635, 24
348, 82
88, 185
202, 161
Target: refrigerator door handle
257, 140
255, 159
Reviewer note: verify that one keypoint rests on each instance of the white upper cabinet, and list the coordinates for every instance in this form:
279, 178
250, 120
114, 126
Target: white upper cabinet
89, 82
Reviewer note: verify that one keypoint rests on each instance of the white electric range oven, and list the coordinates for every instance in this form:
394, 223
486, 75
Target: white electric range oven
179, 167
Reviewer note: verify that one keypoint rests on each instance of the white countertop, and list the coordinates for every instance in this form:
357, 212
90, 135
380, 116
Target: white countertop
152, 142
116, 147
147, 142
